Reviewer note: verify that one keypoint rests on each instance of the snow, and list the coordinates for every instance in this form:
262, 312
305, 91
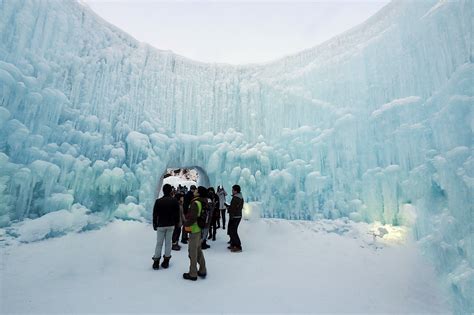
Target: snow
285, 267
374, 124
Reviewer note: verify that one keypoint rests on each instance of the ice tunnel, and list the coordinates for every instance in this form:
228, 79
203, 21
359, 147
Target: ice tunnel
374, 124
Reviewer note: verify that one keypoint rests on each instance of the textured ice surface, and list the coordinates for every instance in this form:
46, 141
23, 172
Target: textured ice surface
375, 124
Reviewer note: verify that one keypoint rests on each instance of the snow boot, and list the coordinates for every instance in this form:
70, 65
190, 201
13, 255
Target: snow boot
204, 245
236, 249
187, 276
176, 246
156, 263
166, 262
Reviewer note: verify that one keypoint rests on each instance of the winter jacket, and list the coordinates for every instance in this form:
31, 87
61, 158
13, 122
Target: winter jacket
193, 212
187, 200
221, 194
165, 212
216, 213
236, 205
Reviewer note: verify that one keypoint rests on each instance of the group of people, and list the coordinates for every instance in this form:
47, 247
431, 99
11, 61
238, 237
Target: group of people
176, 214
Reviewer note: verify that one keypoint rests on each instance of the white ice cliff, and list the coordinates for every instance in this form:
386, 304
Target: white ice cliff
375, 125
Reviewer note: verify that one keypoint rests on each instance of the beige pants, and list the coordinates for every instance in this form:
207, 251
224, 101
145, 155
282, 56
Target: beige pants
195, 255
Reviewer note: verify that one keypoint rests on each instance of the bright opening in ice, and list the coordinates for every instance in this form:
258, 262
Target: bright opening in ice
181, 179
374, 125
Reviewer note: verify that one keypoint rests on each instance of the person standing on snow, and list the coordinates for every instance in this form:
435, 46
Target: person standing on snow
187, 200
221, 193
165, 218
205, 231
195, 253
235, 215
214, 212
177, 228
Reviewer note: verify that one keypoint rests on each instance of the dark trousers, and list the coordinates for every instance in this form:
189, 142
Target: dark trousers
223, 217
176, 233
184, 235
234, 236
213, 228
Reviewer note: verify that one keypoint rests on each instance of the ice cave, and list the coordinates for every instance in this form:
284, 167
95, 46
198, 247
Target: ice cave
374, 125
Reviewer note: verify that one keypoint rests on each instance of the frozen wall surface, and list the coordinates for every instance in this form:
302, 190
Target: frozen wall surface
375, 125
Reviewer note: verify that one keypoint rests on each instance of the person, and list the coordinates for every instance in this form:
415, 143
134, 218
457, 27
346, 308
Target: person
235, 215
206, 207
187, 200
221, 193
195, 253
165, 217
214, 209
177, 228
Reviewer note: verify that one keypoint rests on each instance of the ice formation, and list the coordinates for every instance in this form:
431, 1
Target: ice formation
374, 125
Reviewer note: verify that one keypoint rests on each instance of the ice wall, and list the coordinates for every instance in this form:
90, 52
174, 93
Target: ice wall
375, 124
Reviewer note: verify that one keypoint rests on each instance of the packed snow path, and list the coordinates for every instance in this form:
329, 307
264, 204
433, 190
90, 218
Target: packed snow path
286, 266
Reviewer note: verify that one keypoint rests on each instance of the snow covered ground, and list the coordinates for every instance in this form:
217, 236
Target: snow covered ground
286, 266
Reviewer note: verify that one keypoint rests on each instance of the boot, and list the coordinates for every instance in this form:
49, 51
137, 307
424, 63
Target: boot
204, 245
156, 263
176, 246
166, 262
188, 277
236, 249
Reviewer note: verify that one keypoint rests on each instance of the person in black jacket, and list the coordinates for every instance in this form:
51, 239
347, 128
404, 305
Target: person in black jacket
187, 200
235, 215
215, 213
165, 217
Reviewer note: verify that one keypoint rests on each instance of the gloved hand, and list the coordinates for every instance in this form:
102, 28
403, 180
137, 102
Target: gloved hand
154, 227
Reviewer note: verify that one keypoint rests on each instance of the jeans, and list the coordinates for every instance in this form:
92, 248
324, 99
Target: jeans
232, 229
163, 233
204, 233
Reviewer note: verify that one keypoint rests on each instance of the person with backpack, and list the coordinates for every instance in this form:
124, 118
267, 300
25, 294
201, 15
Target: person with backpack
221, 193
165, 218
187, 200
195, 221
235, 215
